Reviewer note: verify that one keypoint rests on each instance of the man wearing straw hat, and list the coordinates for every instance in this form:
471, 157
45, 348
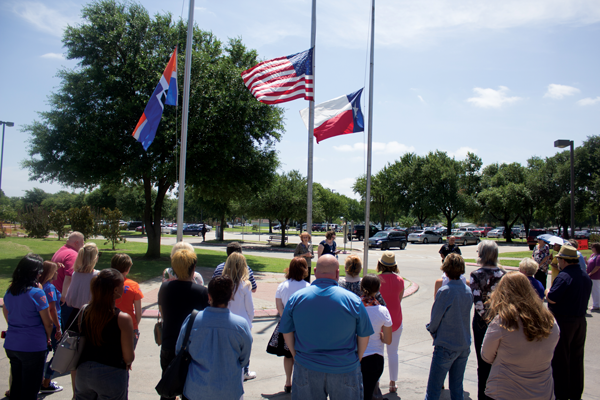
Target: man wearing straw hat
568, 300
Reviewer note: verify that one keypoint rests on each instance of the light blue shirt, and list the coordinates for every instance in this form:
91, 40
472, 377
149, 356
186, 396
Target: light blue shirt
326, 319
450, 316
220, 345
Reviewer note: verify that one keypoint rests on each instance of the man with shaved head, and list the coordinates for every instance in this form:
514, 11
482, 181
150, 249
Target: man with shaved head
66, 256
327, 330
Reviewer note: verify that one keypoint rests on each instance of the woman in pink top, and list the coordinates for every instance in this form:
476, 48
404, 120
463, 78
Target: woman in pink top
392, 290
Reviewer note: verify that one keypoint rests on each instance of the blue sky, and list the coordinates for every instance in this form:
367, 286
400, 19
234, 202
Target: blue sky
503, 79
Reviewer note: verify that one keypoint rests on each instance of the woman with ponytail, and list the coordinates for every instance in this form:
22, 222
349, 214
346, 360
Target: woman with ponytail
103, 370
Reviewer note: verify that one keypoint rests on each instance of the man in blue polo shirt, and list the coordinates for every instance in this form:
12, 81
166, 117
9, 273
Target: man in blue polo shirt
327, 330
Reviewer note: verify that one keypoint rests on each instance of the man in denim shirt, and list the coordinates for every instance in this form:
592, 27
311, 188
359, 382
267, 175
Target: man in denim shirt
327, 330
451, 332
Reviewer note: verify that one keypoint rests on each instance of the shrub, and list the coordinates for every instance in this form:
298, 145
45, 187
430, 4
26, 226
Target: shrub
35, 221
110, 228
594, 238
58, 220
83, 220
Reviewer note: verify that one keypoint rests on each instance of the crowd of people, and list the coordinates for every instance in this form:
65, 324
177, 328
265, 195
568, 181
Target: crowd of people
332, 330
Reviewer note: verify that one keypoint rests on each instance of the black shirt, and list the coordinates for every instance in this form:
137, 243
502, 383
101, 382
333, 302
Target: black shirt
447, 249
109, 352
178, 299
571, 292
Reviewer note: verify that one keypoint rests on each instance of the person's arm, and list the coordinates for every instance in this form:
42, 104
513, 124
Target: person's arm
47, 321
54, 318
290, 341
249, 304
437, 313
491, 342
401, 294
251, 279
441, 253
320, 250
597, 267
362, 343
298, 250
386, 335
5, 312
66, 284
437, 286
126, 327
548, 298
279, 305
137, 306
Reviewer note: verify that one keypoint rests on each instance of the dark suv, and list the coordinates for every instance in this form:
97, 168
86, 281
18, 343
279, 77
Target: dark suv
359, 232
388, 239
533, 234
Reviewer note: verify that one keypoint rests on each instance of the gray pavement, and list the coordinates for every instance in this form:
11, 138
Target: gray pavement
418, 263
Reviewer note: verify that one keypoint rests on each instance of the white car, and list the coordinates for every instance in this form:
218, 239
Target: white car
496, 233
426, 236
165, 229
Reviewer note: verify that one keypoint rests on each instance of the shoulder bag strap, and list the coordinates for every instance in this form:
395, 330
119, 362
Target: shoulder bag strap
186, 338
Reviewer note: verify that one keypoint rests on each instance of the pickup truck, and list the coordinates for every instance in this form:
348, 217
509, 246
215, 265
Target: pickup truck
359, 232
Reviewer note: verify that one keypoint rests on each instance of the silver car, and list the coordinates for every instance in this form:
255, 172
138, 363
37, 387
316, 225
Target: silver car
465, 238
426, 236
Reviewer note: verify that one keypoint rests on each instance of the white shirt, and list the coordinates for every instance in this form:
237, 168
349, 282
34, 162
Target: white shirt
445, 279
380, 317
242, 303
286, 289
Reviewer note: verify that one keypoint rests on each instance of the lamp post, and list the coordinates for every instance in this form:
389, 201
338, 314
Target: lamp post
4, 125
562, 143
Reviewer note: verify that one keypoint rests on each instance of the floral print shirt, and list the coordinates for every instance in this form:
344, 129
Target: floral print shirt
538, 255
483, 283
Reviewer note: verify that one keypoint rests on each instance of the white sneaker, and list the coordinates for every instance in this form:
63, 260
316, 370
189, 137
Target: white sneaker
249, 375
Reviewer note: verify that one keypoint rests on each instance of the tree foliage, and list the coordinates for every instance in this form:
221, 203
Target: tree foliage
58, 221
110, 227
85, 139
34, 220
83, 220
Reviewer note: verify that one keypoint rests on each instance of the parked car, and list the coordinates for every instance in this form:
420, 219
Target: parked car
388, 239
465, 238
482, 231
134, 224
359, 232
533, 234
426, 236
583, 234
278, 227
516, 232
496, 233
165, 229
139, 228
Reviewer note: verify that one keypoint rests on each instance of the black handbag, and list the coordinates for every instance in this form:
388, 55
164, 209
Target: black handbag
173, 379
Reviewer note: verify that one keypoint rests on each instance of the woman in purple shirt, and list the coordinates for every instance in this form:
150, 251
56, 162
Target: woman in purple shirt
593, 270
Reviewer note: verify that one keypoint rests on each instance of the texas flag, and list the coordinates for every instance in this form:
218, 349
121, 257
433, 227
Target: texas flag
146, 127
336, 117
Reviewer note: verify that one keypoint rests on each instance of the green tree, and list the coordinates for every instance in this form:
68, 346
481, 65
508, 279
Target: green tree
587, 174
110, 227
85, 139
58, 220
383, 200
83, 220
332, 204
35, 196
63, 201
34, 220
101, 197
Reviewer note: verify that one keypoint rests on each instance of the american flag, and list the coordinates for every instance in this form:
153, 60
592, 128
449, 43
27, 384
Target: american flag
281, 79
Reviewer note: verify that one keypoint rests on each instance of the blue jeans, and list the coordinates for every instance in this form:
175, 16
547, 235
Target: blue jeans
48, 372
98, 381
27, 369
445, 361
308, 384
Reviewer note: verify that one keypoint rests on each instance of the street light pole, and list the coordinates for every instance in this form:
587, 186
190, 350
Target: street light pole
4, 124
562, 144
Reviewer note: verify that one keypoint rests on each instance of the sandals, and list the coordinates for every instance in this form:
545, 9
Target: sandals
287, 389
393, 388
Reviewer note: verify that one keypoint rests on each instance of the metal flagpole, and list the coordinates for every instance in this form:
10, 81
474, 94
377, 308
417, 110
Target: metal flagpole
311, 122
369, 142
184, 120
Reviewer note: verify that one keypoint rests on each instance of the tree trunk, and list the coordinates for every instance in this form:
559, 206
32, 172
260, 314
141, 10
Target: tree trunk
283, 225
223, 224
507, 233
152, 220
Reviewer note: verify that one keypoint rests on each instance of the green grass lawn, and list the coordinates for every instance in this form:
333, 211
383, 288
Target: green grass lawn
523, 254
12, 249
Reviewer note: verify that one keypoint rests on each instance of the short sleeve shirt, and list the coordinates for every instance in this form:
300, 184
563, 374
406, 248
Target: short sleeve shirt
326, 320
286, 289
483, 283
379, 317
131, 293
447, 249
53, 296
26, 330
571, 292
66, 255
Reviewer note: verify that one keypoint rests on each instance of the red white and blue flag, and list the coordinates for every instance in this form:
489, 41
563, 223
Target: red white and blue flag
338, 116
281, 79
146, 128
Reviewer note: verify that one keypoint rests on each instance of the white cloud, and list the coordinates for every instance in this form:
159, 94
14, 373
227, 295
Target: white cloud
54, 56
556, 91
43, 18
490, 98
422, 101
588, 101
378, 148
461, 153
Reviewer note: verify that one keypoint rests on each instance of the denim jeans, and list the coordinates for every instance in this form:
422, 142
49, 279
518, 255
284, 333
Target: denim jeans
98, 381
445, 361
308, 384
27, 369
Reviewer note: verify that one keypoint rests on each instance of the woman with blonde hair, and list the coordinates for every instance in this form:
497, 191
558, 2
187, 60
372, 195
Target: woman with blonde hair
170, 275
305, 249
528, 267
351, 282
177, 299
519, 342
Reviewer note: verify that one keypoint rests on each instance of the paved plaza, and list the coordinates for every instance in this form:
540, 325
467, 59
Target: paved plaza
418, 263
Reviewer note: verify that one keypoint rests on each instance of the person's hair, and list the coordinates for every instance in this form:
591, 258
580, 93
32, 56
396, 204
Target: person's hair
353, 265
515, 300
26, 274
220, 289
487, 254
101, 308
183, 263
453, 266
297, 270
48, 272
596, 246
121, 262
181, 245
234, 247
528, 266
370, 284
305, 234
329, 235
237, 269
386, 268
87, 257
574, 243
